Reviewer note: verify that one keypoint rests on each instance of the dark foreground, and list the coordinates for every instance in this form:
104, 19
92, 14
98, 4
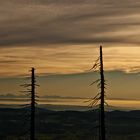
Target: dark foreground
68, 125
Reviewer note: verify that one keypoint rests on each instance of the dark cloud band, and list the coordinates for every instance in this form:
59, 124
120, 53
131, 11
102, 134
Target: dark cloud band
70, 22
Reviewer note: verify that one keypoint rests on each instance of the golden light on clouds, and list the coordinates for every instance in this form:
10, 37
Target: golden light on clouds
67, 59
42, 34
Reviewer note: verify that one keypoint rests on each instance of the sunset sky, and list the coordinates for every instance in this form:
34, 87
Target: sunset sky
61, 39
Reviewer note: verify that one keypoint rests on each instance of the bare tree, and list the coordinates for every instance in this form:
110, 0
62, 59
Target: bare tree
31, 92
100, 97
32, 131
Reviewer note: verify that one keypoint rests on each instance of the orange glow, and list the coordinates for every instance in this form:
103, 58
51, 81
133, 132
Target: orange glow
66, 59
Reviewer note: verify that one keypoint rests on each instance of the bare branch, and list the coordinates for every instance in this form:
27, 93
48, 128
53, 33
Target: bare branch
98, 80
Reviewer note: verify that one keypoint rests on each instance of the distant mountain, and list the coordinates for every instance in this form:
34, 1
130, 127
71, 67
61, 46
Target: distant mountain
10, 95
61, 97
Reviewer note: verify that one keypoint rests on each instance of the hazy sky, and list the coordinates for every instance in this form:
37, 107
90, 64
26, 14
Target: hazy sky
63, 37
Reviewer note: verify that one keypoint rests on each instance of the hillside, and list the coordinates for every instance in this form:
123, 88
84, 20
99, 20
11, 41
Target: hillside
69, 125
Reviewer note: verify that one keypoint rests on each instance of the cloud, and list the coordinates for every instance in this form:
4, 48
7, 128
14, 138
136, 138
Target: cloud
61, 36
44, 22
65, 60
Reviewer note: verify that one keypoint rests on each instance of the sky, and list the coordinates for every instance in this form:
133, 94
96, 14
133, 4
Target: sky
61, 39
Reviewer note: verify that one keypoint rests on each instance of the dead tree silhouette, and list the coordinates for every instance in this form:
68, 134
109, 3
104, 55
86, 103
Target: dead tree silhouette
31, 93
100, 97
32, 131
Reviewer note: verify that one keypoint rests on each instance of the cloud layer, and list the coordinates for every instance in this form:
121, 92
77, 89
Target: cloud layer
61, 36
63, 60
62, 21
